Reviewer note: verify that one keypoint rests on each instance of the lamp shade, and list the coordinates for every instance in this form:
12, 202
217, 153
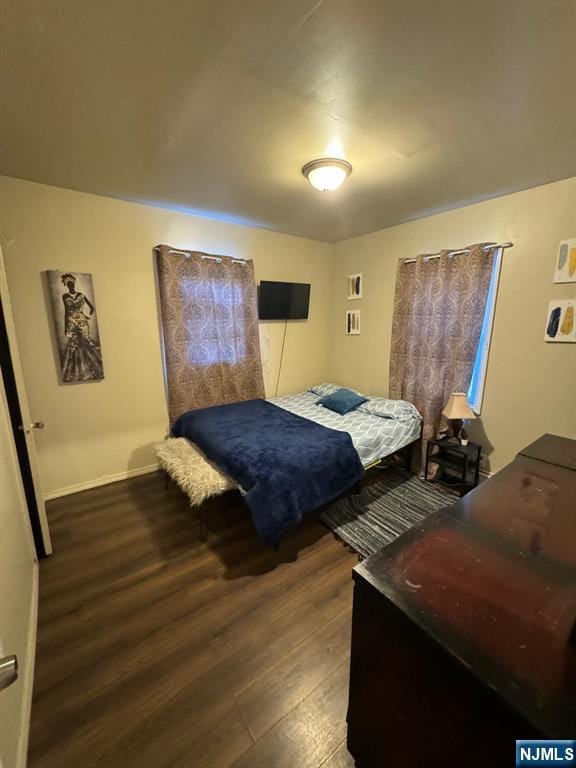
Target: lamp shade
457, 407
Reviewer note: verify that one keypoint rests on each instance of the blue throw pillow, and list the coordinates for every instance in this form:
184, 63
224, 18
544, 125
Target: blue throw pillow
342, 401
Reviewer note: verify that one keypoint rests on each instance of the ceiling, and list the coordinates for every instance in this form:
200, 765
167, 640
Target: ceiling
213, 107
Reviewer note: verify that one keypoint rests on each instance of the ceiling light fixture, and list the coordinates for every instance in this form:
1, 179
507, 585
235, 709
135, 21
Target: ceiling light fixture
327, 173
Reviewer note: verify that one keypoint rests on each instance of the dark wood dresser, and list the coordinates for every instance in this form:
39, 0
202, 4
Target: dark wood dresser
464, 634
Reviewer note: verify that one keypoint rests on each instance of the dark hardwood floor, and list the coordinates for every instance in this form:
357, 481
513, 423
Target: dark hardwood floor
155, 649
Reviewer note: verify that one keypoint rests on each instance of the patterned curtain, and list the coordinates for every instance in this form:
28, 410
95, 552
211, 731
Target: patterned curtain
210, 328
438, 312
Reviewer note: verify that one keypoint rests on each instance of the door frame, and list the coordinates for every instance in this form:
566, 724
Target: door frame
18, 409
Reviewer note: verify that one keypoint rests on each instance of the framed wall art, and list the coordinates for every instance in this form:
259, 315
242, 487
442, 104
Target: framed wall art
354, 286
565, 270
75, 325
561, 321
353, 322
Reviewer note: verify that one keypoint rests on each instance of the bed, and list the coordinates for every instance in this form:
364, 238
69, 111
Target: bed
291, 455
374, 437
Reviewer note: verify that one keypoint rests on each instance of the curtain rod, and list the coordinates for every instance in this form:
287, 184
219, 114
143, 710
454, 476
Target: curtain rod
206, 256
458, 253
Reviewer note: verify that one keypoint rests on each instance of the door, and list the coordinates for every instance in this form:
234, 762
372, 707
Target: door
18, 601
23, 426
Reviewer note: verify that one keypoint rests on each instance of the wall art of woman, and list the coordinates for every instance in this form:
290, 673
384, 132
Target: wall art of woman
81, 357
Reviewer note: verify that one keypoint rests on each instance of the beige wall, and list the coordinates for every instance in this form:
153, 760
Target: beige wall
102, 429
530, 385
97, 431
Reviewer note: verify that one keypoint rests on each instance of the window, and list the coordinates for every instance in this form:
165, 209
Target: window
476, 388
214, 322
209, 329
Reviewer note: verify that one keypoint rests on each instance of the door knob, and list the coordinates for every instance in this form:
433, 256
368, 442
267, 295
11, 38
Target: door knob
8, 671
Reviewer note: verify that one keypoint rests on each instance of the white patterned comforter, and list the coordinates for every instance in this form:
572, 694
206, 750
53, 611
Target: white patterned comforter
374, 437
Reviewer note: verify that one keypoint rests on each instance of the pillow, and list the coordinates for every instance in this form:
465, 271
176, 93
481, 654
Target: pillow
399, 410
328, 389
342, 401
324, 389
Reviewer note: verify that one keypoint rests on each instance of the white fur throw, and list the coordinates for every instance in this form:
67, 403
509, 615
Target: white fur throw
194, 473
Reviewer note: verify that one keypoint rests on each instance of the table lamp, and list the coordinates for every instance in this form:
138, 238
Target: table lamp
456, 411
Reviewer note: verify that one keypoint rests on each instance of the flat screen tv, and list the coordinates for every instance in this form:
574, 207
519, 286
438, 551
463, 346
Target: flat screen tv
283, 301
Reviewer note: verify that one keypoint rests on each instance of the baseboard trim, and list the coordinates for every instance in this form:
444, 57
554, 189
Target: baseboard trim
28, 668
68, 490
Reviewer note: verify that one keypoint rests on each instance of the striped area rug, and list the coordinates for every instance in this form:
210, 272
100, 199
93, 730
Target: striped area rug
384, 510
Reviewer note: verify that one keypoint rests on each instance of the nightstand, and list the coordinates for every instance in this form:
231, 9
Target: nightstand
462, 460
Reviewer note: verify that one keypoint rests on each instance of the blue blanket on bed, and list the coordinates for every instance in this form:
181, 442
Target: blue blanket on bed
287, 465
